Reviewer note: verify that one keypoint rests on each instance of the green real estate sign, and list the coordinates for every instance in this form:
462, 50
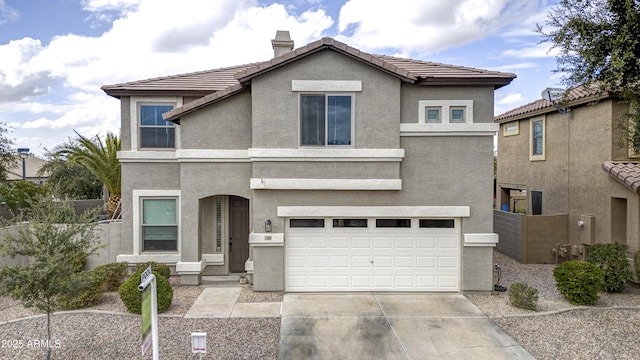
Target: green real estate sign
146, 319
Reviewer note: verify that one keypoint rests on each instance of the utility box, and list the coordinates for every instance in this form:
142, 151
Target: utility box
588, 229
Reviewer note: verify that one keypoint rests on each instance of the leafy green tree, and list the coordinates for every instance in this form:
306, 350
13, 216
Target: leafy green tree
69, 180
599, 43
20, 195
55, 240
100, 159
8, 157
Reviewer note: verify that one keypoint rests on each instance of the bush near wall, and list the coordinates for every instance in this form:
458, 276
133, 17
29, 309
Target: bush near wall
113, 275
89, 296
612, 260
579, 281
132, 297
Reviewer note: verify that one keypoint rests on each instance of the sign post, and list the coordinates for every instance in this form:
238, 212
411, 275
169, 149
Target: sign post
149, 312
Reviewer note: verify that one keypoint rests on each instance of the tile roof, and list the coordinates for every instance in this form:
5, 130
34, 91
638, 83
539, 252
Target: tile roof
626, 173
195, 83
575, 96
207, 83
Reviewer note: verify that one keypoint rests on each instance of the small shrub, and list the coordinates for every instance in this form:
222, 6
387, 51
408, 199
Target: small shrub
612, 259
90, 295
579, 281
156, 267
113, 275
523, 296
132, 297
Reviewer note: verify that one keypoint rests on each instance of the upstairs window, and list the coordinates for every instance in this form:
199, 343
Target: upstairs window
432, 114
326, 120
457, 115
537, 139
155, 132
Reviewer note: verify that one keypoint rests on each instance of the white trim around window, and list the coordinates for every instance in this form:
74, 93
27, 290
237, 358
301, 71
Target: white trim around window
537, 139
134, 103
447, 107
326, 85
137, 217
511, 128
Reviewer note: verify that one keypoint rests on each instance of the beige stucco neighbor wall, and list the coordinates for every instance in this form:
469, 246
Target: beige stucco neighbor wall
571, 177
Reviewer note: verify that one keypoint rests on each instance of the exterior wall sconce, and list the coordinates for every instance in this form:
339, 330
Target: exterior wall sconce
267, 226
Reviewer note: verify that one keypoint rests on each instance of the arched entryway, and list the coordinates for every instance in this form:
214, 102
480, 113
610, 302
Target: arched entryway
224, 233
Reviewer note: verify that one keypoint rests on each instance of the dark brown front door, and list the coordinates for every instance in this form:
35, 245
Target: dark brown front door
238, 233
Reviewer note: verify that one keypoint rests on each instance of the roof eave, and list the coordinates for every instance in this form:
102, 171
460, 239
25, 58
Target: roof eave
120, 92
175, 114
496, 82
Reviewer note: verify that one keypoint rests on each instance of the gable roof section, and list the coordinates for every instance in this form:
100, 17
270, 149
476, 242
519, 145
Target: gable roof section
576, 96
628, 174
214, 85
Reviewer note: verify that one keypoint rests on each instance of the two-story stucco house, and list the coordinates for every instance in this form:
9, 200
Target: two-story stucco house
323, 169
574, 162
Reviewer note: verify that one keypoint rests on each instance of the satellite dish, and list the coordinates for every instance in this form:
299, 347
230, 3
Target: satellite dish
555, 95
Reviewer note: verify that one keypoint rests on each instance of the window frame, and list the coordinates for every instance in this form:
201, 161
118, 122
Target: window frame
135, 117
458, 108
141, 126
445, 114
137, 217
431, 108
533, 156
511, 132
142, 225
327, 94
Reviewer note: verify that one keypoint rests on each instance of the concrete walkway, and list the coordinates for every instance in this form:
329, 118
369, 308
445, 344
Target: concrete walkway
390, 326
221, 302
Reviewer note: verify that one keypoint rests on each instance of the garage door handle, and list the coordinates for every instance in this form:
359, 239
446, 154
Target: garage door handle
372, 261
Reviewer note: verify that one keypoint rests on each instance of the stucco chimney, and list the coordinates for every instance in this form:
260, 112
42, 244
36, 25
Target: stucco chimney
282, 44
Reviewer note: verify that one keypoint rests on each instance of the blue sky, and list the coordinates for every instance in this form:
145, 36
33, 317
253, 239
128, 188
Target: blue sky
55, 54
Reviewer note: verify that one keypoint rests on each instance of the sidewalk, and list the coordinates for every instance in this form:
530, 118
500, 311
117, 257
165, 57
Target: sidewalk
221, 302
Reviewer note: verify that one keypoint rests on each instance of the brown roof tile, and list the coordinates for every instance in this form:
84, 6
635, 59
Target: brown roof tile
196, 83
626, 173
575, 96
205, 83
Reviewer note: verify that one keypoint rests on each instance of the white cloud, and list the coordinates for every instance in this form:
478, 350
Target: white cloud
537, 50
428, 26
148, 38
511, 99
7, 13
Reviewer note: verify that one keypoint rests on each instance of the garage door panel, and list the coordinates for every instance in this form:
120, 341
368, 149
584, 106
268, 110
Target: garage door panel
361, 262
382, 242
426, 242
361, 242
318, 262
404, 262
340, 262
426, 262
318, 242
366, 259
404, 243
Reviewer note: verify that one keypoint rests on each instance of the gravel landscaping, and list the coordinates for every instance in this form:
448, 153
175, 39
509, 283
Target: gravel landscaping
558, 330
108, 331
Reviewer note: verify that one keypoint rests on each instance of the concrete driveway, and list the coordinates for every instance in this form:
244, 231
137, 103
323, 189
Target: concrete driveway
390, 326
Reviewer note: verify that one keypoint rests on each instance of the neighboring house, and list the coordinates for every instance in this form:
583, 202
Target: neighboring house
323, 169
32, 165
575, 163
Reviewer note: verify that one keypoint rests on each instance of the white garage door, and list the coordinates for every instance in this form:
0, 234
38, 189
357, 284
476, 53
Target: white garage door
372, 255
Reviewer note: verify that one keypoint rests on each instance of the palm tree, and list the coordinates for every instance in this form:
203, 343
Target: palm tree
101, 159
